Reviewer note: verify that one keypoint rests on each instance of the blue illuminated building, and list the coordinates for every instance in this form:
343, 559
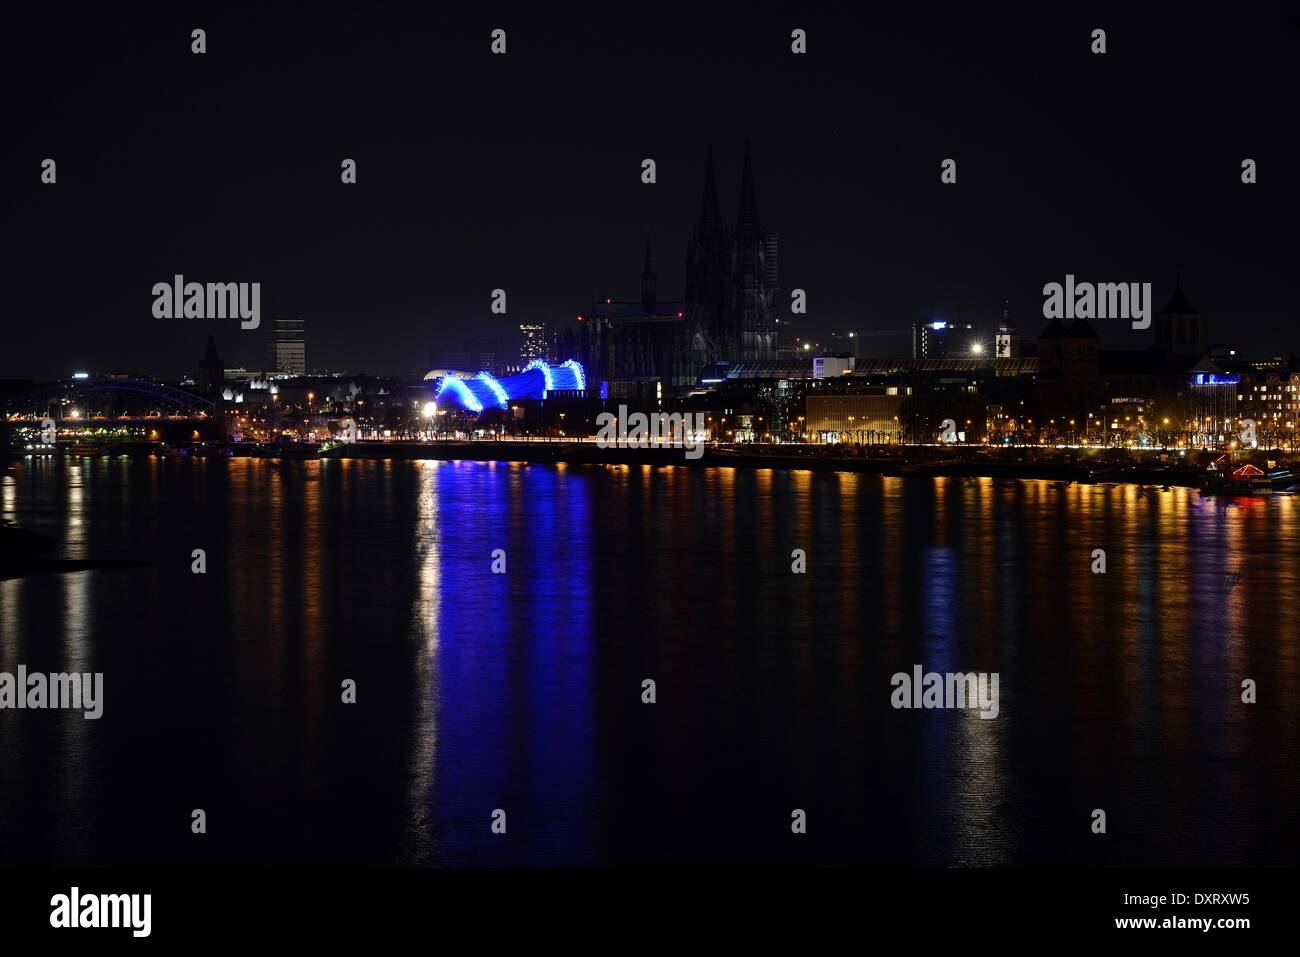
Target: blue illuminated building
1209, 378
486, 391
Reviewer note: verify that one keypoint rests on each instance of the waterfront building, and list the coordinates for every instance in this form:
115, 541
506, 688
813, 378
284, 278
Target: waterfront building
288, 347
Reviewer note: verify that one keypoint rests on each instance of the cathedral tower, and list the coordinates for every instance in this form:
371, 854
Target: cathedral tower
732, 274
706, 260
750, 321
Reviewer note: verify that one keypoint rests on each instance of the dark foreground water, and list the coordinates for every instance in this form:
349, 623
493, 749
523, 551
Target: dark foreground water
522, 691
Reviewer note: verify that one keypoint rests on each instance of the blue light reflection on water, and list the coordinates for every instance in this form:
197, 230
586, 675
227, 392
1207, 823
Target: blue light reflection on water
522, 691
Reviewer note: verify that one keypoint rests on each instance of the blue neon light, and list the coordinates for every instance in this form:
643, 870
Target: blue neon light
1209, 378
499, 393
534, 382
579, 375
460, 391
546, 374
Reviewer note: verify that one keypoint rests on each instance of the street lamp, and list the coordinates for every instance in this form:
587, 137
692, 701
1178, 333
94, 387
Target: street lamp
430, 410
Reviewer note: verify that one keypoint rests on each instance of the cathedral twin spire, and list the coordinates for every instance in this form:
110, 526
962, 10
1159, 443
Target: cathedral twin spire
710, 213
731, 272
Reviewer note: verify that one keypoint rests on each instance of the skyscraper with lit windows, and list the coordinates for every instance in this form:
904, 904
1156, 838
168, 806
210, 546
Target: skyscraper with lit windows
288, 347
533, 344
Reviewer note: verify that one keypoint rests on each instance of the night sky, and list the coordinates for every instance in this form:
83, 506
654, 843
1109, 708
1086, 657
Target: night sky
523, 171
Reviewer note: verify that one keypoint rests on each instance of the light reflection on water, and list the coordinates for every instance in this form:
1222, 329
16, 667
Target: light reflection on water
522, 691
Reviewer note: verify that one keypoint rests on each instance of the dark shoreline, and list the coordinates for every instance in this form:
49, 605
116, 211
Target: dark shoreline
573, 453
1089, 467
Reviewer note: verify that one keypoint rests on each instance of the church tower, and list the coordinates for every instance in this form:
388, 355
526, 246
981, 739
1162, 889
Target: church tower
212, 371
1178, 326
750, 314
705, 255
1007, 341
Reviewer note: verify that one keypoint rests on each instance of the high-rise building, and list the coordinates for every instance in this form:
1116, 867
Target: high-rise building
485, 354
943, 339
474, 356
288, 347
533, 342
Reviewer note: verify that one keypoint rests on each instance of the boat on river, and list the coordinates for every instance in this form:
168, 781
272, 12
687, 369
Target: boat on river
1249, 480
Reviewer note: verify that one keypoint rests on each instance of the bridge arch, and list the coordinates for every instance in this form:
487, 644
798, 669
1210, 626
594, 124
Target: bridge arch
53, 391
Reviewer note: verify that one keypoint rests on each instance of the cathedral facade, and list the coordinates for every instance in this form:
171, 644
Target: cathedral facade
728, 311
732, 273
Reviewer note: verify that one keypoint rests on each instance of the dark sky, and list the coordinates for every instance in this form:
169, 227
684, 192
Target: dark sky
523, 171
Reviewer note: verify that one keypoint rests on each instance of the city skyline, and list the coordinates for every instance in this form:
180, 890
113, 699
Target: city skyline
552, 208
648, 441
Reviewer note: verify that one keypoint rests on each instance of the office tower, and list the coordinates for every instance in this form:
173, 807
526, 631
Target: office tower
288, 348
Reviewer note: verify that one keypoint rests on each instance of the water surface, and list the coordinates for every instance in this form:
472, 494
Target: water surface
522, 691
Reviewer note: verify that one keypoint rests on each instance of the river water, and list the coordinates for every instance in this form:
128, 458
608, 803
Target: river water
522, 692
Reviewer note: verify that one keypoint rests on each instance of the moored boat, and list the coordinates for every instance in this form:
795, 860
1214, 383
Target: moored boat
1249, 480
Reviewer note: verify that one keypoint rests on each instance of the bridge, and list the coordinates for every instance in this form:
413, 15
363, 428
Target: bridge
39, 400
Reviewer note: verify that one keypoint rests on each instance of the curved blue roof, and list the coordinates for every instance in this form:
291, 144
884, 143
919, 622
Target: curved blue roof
486, 391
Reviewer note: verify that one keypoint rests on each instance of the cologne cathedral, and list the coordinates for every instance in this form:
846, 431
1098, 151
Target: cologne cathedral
729, 311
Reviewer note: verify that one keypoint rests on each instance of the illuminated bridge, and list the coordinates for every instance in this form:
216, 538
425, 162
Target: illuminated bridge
485, 391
